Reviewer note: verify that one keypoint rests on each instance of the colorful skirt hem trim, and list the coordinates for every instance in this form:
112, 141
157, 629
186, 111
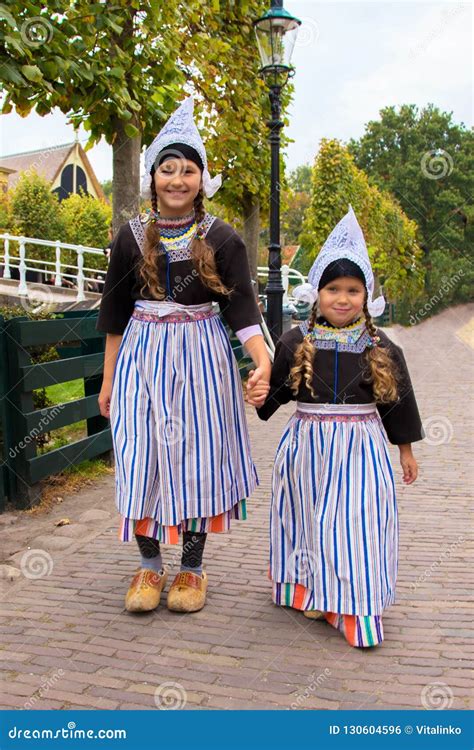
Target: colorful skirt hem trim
129, 527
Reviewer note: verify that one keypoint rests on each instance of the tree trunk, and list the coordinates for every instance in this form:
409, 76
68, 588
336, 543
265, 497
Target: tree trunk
251, 231
126, 176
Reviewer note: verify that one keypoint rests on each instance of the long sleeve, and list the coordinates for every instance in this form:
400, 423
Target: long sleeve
240, 309
280, 391
117, 303
401, 419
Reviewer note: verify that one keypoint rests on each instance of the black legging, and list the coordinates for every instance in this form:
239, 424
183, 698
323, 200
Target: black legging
193, 548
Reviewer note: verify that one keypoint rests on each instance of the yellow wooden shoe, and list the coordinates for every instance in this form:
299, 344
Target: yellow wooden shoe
313, 614
145, 590
187, 592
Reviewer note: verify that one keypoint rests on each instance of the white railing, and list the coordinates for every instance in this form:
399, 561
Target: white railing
287, 275
79, 279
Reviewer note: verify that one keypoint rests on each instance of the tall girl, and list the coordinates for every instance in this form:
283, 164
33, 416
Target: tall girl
171, 383
334, 524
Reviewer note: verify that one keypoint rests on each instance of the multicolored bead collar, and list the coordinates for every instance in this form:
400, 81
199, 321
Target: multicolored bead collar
352, 338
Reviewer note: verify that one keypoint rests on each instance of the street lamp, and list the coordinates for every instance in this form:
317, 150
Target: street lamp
276, 34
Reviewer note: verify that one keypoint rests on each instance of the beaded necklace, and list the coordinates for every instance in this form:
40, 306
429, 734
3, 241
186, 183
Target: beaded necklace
352, 338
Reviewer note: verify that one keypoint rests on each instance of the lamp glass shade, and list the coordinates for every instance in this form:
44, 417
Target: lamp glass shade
276, 34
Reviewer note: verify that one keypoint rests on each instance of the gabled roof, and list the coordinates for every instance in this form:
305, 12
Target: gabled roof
48, 163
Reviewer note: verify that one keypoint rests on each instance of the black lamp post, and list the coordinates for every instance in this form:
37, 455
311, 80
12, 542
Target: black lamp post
276, 33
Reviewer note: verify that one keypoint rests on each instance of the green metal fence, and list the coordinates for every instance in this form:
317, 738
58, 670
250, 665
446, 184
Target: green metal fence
22, 468
81, 350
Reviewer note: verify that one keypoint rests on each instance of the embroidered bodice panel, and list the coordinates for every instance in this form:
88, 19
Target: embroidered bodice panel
354, 338
175, 235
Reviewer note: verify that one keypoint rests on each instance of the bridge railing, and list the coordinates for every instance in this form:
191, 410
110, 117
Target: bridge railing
79, 273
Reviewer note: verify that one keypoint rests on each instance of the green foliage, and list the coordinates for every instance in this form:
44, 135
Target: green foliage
426, 161
296, 197
35, 209
107, 188
390, 235
86, 220
299, 180
6, 219
126, 64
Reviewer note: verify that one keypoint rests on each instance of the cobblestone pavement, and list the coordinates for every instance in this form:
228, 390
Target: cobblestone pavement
67, 642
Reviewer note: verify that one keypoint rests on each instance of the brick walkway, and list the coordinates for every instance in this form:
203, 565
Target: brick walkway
68, 643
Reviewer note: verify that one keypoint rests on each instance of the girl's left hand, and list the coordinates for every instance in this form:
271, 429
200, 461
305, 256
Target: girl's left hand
410, 468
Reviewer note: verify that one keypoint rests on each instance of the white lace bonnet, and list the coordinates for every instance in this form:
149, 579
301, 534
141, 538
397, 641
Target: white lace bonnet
180, 128
345, 241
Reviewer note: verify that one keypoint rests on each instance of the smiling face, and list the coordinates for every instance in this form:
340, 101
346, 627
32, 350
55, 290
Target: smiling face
342, 300
177, 183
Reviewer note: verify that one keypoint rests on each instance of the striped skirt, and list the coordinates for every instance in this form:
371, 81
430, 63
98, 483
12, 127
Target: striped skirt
334, 521
180, 438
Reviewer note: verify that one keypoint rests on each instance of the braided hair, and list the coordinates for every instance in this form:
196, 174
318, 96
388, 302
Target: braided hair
304, 359
382, 368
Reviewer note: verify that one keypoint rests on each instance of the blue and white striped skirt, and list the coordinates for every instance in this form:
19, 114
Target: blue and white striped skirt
177, 414
334, 521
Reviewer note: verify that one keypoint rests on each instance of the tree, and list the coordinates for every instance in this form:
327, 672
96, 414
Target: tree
219, 54
426, 161
390, 235
35, 209
86, 220
299, 180
296, 200
120, 70
111, 67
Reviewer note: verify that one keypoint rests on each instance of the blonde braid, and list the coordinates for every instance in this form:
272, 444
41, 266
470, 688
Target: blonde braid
304, 358
382, 366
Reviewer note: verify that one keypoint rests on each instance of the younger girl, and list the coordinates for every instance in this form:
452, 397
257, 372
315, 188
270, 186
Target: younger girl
334, 525
171, 383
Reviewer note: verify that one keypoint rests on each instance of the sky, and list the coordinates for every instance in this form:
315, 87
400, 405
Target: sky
351, 60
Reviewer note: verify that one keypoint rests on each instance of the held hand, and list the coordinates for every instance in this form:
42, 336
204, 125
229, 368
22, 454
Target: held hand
257, 376
257, 390
409, 466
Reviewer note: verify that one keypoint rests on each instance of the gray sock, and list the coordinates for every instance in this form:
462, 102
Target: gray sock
153, 563
150, 553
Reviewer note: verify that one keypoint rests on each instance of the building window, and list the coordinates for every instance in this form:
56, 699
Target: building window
67, 181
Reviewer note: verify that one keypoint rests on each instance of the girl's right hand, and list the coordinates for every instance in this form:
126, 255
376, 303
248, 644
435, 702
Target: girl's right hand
104, 399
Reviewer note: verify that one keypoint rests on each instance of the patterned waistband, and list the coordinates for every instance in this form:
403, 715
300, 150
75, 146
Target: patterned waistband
154, 311
336, 412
